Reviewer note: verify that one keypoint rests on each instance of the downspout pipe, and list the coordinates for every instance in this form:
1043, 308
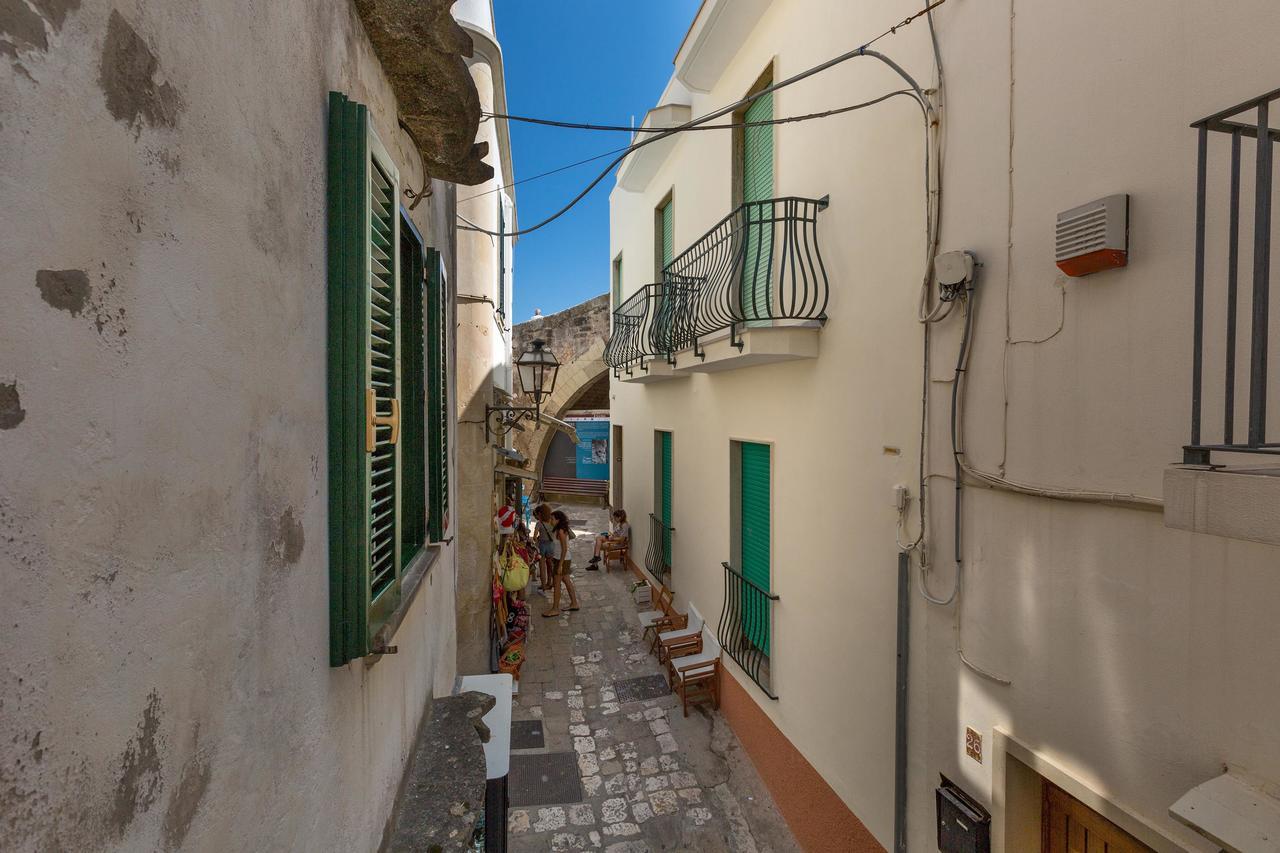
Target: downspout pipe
900, 717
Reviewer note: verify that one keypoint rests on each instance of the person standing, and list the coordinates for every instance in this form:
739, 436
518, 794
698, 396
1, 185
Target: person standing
563, 570
546, 540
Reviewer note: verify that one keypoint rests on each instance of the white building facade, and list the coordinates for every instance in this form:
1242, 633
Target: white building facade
772, 375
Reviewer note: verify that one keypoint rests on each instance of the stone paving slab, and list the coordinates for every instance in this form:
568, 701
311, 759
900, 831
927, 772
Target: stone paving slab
651, 778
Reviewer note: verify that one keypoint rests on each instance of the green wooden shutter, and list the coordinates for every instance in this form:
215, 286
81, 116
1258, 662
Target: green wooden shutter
665, 440
757, 186
754, 533
413, 490
668, 233
364, 381
348, 164
437, 399
384, 381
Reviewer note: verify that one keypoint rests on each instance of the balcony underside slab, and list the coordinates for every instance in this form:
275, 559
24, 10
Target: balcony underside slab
763, 345
655, 370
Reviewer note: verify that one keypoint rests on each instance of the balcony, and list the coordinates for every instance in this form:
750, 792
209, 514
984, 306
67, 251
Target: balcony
1212, 492
752, 290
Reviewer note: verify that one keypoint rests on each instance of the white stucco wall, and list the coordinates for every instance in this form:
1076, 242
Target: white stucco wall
1140, 656
163, 519
828, 419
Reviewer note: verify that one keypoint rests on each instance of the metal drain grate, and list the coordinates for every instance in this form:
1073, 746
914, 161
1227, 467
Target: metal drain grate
527, 734
644, 687
542, 779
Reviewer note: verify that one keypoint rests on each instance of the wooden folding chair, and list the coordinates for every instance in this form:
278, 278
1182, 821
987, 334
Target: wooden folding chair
650, 619
616, 551
696, 677
678, 641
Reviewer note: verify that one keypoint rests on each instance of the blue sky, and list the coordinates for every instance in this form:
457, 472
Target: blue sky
581, 60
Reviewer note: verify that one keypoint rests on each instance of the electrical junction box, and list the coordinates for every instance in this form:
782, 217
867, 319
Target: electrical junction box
964, 826
1093, 237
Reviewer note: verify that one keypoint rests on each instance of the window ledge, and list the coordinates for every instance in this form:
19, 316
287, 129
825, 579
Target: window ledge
1237, 503
410, 585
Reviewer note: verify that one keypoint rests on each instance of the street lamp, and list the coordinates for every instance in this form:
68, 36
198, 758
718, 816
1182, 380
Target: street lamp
537, 367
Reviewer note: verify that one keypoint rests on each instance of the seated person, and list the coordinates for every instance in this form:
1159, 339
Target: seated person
619, 536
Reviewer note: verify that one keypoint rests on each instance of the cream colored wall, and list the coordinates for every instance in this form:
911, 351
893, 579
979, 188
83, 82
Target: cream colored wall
828, 419
163, 511
1139, 655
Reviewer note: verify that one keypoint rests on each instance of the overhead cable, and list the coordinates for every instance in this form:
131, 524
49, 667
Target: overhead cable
862, 51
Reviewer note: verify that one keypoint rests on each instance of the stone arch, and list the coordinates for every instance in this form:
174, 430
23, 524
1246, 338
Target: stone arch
574, 380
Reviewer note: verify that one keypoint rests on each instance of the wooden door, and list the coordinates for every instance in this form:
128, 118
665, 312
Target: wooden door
1069, 826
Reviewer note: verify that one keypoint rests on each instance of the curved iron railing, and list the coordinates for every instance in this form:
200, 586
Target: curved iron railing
758, 265
658, 558
745, 626
629, 344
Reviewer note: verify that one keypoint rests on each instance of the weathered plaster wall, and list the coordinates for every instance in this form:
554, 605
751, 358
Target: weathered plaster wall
577, 336
163, 517
486, 333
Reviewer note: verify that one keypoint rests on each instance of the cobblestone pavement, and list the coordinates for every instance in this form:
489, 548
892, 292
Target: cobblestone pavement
651, 778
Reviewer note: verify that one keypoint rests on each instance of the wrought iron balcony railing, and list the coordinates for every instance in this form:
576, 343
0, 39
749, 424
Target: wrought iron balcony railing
759, 265
1237, 125
746, 623
658, 558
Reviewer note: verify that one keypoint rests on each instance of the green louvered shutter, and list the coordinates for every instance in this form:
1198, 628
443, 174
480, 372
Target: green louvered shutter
413, 489
668, 233
437, 399
754, 536
665, 486
364, 381
384, 387
757, 186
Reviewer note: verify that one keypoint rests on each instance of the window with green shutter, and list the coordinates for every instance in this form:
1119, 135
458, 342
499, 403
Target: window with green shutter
663, 487
757, 186
617, 282
663, 235
437, 374
753, 536
379, 416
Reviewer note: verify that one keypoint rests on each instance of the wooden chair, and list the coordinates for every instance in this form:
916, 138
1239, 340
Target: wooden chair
679, 641
616, 551
695, 677
654, 620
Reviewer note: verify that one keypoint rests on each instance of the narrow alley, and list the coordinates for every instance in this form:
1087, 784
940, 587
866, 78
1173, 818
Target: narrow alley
618, 766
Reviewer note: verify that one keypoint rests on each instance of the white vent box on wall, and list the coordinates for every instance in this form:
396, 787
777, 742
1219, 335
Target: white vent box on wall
1093, 237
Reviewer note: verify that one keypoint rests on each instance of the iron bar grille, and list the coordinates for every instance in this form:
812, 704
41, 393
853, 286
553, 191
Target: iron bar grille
746, 626
1217, 267
759, 265
658, 558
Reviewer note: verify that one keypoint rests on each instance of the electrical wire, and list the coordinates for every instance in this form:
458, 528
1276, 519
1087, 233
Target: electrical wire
731, 126
859, 52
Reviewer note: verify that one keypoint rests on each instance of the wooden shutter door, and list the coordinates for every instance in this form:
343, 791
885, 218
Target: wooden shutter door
666, 497
1069, 826
383, 396
437, 399
757, 186
668, 233
348, 164
413, 488
754, 533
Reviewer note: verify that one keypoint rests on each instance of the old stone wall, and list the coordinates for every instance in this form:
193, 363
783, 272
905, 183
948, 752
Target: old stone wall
577, 336
163, 436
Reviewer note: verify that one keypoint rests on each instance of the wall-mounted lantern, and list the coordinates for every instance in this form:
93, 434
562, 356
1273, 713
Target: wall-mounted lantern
537, 367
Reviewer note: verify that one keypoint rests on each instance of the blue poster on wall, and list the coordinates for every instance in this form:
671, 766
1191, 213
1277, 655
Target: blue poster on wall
593, 449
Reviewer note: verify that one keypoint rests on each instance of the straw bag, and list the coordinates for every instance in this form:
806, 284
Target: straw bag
515, 571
